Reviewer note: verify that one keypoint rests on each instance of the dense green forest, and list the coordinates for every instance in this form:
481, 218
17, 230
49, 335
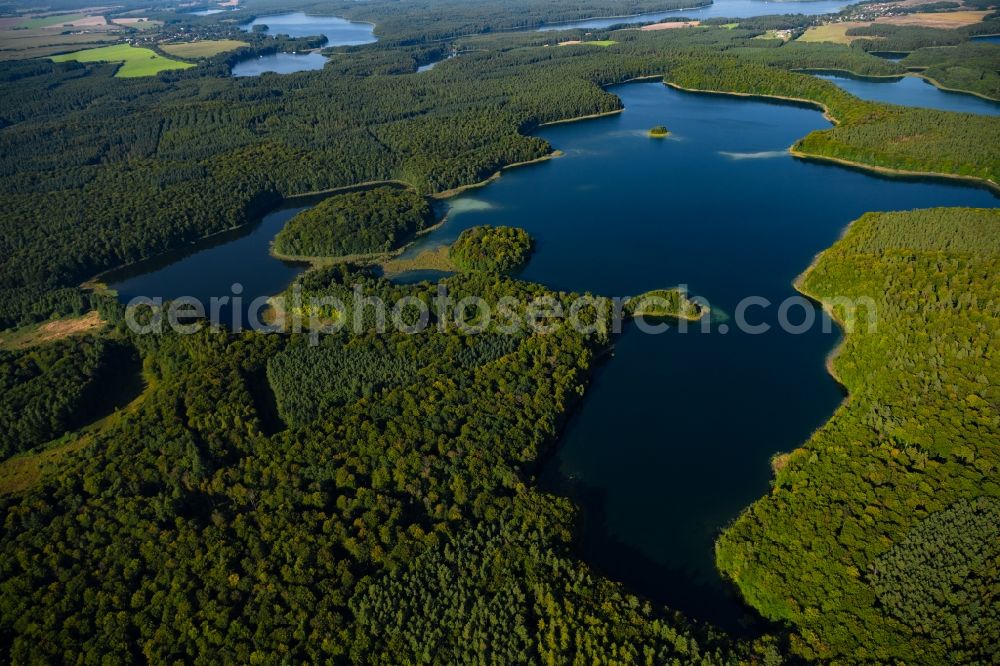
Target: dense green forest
356, 223
52, 389
217, 541
879, 540
880, 135
663, 303
491, 249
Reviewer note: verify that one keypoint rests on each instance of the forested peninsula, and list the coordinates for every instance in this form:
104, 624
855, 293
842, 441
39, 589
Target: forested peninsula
373, 496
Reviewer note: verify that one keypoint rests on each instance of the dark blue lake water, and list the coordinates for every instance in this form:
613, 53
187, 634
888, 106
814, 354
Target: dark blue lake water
674, 437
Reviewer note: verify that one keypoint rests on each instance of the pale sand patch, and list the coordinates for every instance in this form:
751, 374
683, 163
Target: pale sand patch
37, 334
570, 42
63, 328
436, 259
670, 25
936, 19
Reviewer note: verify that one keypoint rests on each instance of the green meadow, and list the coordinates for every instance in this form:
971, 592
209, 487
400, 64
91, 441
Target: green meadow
135, 61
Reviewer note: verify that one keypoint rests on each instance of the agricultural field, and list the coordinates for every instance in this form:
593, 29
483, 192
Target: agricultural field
135, 61
202, 49
40, 36
50, 331
831, 32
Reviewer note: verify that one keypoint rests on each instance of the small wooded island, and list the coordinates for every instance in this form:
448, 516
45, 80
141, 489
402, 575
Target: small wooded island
665, 303
659, 132
491, 249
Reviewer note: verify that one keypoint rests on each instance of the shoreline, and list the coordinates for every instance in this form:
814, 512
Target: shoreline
891, 171
96, 283
798, 100
448, 194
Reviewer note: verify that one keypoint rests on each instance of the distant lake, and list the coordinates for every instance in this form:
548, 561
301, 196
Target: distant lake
280, 63
338, 32
913, 91
726, 8
673, 438
675, 433
992, 39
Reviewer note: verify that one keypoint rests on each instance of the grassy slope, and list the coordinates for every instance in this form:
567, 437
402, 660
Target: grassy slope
135, 61
919, 433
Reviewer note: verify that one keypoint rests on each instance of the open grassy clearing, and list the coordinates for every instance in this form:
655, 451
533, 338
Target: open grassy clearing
50, 331
435, 259
135, 61
596, 42
936, 19
202, 49
832, 32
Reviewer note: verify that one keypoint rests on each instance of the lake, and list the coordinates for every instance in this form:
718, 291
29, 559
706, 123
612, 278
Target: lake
211, 268
279, 63
912, 91
338, 32
674, 436
726, 8
992, 39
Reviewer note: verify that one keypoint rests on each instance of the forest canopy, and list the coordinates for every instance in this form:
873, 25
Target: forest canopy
877, 542
371, 221
491, 249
